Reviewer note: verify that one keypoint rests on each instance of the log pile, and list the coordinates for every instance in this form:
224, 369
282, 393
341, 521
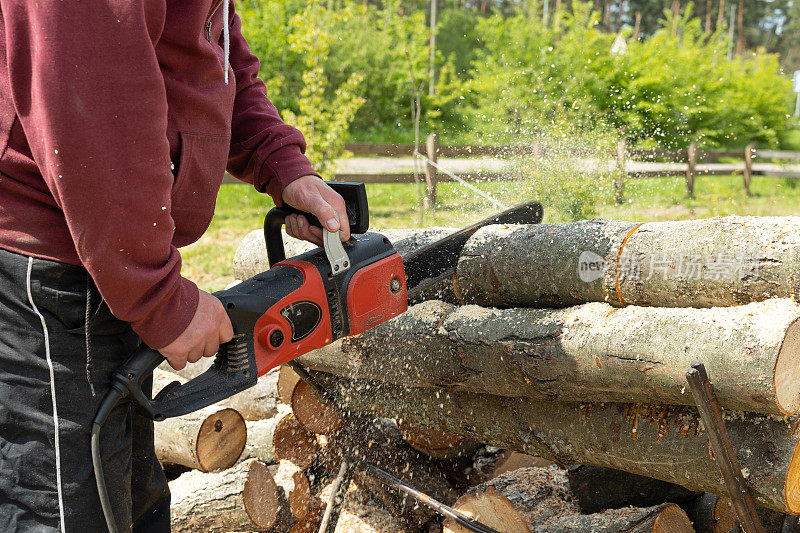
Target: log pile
570, 342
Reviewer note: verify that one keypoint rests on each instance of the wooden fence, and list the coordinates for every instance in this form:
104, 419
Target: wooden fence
625, 164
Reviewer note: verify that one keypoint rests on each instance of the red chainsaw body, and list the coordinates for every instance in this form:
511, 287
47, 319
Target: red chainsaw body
302, 321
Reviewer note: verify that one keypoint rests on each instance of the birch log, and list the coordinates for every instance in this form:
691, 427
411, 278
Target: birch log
260, 437
592, 352
698, 263
662, 442
539, 500
206, 440
237, 499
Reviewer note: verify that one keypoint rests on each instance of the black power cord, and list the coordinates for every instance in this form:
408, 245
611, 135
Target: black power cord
111, 400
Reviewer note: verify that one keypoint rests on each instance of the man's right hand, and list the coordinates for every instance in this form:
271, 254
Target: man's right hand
209, 328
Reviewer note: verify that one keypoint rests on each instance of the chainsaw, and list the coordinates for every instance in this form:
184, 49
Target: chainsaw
300, 304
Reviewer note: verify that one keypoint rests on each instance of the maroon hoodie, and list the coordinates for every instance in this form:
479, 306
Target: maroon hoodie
116, 127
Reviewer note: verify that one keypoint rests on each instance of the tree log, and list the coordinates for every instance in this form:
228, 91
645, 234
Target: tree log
539, 499
592, 352
292, 442
698, 263
664, 518
662, 442
294, 486
313, 414
435, 444
596, 489
260, 437
710, 513
206, 440
237, 499
287, 381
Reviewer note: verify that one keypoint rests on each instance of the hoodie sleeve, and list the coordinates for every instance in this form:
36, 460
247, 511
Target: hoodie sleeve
91, 99
264, 150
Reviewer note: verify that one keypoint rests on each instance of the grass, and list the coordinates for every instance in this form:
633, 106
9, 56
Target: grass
241, 209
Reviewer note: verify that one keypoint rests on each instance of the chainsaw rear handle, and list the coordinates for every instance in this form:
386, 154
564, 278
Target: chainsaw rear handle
355, 201
235, 368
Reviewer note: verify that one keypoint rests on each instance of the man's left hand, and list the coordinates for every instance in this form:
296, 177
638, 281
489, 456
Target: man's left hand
312, 195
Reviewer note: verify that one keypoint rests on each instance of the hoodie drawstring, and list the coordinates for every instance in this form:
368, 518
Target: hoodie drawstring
226, 37
87, 334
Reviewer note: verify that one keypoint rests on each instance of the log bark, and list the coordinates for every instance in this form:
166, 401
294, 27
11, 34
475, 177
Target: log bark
237, 499
664, 518
596, 489
592, 352
698, 263
662, 442
539, 499
206, 440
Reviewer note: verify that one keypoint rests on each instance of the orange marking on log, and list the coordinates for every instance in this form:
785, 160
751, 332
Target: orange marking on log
597, 360
619, 255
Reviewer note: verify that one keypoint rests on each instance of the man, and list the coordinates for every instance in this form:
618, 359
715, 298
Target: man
118, 119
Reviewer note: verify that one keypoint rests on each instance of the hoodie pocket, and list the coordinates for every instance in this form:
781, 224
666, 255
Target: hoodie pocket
194, 194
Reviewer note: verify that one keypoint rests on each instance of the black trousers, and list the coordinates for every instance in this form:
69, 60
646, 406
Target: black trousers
52, 379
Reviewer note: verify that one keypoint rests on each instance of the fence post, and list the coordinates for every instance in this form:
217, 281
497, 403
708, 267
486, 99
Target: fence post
690, 169
432, 147
748, 167
620, 174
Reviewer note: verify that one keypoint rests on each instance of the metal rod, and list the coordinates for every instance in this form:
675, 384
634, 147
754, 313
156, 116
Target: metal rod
722, 449
461, 519
336, 499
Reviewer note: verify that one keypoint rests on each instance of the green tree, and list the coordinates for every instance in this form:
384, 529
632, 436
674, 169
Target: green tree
324, 118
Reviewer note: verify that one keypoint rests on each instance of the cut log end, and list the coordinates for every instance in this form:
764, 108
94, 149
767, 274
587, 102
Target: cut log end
490, 508
672, 519
427, 438
792, 484
511, 460
434, 443
313, 414
221, 440
287, 379
300, 496
292, 442
723, 516
787, 371
260, 496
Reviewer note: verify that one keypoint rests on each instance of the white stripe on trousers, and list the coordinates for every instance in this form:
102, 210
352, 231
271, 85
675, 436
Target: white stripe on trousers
52, 392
